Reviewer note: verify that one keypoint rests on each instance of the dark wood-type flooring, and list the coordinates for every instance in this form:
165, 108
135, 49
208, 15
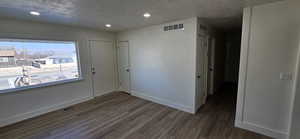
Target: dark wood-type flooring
121, 116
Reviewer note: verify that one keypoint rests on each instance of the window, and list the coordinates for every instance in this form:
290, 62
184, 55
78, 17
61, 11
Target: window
30, 63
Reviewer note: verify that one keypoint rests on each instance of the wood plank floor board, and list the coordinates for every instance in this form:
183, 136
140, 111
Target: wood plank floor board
121, 116
125, 120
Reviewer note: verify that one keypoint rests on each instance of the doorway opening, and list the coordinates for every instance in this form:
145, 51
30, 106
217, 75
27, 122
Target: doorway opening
123, 55
218, 58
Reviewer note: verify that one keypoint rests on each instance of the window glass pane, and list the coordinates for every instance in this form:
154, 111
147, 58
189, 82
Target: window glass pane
27, 63
3, 59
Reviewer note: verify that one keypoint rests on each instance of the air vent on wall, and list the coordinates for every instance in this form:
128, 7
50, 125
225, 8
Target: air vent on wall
173, 27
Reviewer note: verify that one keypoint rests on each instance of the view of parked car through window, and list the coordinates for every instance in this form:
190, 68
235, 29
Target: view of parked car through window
27, 63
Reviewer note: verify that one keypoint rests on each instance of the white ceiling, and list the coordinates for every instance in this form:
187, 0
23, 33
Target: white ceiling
127, 14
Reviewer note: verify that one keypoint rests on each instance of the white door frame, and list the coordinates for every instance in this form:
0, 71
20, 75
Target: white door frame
129, 63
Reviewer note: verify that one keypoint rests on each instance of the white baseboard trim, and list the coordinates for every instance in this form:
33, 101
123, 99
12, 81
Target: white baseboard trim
122, 90
165, 102
104, 93
24, 116
262, 130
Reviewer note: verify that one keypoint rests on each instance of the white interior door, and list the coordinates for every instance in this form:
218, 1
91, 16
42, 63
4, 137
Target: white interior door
202, 68
211, 66
205, 68
124, 66
199, 74
102, 67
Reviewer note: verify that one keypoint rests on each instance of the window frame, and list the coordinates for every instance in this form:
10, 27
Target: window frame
48, 84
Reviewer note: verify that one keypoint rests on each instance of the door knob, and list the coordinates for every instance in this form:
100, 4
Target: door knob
93, 70
127, 70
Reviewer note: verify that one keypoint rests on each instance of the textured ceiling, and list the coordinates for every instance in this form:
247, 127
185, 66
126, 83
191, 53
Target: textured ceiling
127, 14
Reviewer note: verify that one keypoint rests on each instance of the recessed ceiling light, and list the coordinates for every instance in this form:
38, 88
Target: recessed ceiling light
108, 25
35, 13
147, 15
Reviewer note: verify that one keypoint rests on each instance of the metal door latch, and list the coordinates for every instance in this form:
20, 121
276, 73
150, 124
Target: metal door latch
93, 70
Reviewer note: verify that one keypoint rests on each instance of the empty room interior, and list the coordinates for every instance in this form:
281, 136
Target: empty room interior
149, 69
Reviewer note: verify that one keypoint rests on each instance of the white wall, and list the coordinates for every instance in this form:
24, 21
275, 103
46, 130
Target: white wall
268, 48
20, 105
163, 64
